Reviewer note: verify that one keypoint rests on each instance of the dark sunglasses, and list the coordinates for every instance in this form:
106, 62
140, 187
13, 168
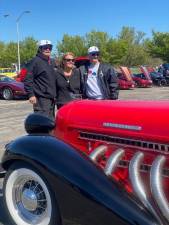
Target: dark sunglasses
95, 54
69, 60
47, 47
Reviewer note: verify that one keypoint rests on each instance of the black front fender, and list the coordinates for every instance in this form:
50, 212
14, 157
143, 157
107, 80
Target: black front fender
76, 172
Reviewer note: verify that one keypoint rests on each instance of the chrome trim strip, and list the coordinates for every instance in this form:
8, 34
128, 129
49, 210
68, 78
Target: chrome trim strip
98, 152
156, 185
113, 161
137, 184
122, 126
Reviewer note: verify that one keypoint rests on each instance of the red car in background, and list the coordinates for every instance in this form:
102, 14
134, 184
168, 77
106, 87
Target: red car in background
10, 88
141, 79
21, 76
81, 60
124, 78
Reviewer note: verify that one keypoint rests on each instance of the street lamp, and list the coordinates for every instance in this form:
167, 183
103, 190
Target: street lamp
17, 29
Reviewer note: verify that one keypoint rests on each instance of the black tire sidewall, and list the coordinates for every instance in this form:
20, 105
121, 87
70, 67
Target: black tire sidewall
55, 215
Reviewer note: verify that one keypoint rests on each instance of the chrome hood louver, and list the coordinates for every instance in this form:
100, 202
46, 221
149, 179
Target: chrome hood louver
113, 161
156, 185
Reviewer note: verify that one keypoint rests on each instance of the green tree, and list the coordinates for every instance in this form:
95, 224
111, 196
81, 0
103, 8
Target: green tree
159, 45
131, 36
28, 49
10, 54
115, 50
75, 44
2, 49
135, 53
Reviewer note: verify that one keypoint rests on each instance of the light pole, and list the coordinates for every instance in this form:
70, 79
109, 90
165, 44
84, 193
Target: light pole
17, 29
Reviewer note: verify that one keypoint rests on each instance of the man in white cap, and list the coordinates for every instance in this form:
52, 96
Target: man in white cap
99, 80
40, 80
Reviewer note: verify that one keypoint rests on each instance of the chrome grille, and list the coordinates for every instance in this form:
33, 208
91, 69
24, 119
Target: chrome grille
158, 147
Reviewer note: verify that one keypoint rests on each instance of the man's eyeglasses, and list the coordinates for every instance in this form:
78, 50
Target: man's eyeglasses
70, 60
45, 47
95, 54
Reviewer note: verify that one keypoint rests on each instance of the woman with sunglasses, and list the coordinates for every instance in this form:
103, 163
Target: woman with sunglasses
68, 82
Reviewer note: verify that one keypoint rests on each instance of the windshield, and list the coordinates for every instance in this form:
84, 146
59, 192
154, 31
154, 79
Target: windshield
6, 79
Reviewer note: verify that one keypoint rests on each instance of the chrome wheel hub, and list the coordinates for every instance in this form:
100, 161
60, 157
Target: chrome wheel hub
6, 93
29, 200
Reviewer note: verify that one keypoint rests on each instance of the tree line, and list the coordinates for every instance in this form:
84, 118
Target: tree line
129, 48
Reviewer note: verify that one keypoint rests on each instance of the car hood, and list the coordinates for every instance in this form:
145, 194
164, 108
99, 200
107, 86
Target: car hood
17, 84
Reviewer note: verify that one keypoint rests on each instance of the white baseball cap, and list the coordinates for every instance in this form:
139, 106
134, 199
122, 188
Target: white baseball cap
93, 49
44, 42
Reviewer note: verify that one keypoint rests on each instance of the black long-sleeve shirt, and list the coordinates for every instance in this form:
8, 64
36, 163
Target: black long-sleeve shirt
41, 78
67, 88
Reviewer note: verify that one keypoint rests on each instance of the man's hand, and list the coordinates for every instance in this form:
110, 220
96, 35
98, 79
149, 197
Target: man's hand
33, 100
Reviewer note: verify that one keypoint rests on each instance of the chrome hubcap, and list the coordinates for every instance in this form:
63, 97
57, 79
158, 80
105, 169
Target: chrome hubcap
29, 200
6, 93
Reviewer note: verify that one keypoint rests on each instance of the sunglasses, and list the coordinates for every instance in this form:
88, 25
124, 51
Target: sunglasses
70, 60
45, 47
95, 54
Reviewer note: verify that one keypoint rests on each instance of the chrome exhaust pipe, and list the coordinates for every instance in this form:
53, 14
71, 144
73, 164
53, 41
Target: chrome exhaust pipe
156, 185
137, 184
98, 152
113, 161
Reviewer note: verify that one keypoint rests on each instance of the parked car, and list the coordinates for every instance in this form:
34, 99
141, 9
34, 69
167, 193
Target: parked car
21, 75
10, 89
141, 79
81, 60
124, 78
93, 168
165, 69
158, 78
10, 72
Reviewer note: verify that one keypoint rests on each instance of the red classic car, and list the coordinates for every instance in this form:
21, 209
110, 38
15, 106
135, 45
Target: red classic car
129, 140
10, 89
101, 162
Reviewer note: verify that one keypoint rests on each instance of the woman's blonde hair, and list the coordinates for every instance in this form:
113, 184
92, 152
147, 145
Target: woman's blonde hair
63, 58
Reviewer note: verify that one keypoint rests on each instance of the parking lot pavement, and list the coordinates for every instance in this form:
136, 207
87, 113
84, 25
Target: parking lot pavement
12, 115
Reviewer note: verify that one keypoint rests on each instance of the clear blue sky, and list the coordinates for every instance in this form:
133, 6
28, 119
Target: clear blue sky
51, 19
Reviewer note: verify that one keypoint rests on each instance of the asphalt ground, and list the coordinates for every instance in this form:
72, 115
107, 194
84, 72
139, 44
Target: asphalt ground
14, 112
